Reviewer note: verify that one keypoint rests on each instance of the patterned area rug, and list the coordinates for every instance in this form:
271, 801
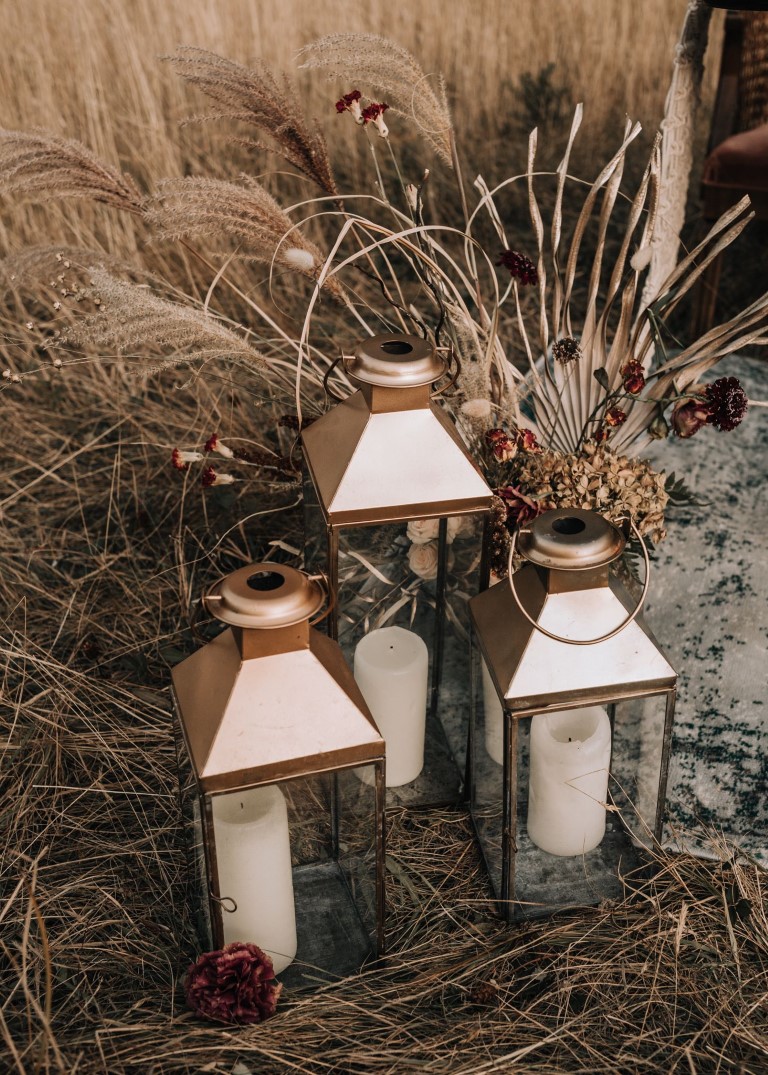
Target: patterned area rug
707, 607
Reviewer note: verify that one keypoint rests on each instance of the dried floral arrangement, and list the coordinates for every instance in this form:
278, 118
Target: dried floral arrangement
561, 385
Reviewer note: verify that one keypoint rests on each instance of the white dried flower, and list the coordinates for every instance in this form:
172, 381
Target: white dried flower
301, 260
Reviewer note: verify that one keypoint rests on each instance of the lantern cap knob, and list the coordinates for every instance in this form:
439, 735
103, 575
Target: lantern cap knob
395, 360
264, 596
571, 539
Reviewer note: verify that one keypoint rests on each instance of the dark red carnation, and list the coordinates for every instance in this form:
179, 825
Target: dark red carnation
727, 403
347, 101
211, 443
373, 111
633, 377
176, 460
208, 477
233, 985
520, 267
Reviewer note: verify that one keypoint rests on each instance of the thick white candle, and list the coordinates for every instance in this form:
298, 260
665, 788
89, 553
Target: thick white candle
493, 711
253, 857
391, 666
493, 715
568, 784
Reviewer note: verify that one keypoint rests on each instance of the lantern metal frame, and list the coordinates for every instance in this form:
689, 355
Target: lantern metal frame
535, 671
388, 454
269, 661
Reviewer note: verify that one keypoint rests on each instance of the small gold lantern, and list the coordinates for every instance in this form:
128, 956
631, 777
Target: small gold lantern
395, 512
282, 782
570, 735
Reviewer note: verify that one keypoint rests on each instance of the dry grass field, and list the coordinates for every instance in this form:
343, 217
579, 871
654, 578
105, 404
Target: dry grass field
105, 548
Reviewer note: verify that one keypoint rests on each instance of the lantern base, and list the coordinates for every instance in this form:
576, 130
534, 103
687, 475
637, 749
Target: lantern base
332, 940
545, 883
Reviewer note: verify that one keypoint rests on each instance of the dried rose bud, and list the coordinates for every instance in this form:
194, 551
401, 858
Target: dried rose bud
689, 416
601, 435
235, 984
520, 267
615, 417
566, 350
501, 444
659, 427
526, 440
633, 377
727, 403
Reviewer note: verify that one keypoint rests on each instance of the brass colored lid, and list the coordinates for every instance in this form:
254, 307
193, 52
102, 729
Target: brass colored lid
395, 361
570, 539
264, 596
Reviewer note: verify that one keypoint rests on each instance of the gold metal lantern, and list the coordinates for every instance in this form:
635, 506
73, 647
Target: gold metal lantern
282, 782
571, 729
395, 512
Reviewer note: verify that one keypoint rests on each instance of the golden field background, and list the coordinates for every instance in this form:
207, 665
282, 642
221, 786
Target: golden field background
91, 69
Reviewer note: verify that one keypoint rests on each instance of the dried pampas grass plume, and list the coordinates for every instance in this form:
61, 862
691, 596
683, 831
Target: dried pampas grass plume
370, 60
196, 207
132, 321
38, 165
253, 95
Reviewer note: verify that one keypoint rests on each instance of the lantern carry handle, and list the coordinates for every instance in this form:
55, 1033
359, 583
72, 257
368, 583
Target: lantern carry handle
453, 378
330, 597
584, 641
326, 387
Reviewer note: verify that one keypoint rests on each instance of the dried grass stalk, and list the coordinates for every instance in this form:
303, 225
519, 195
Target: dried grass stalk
253, 95
37, 165
210, 208
133, 321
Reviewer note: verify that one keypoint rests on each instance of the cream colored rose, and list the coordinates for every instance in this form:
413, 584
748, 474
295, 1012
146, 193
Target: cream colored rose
420, 531
422, 559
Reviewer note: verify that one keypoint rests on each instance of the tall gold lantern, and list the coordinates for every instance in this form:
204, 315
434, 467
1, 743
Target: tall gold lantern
570, 736
395, 512
282, 782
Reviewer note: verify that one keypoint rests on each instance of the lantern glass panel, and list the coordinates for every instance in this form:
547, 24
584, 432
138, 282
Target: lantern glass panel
533, 880
418, 576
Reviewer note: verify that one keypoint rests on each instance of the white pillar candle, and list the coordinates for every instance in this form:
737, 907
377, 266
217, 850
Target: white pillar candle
568, 784
493, 716
253, 858
493, 711
391, 669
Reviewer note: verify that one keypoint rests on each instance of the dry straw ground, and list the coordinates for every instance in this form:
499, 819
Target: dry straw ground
103, 549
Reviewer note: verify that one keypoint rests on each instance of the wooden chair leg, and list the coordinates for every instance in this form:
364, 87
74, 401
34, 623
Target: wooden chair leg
703, 316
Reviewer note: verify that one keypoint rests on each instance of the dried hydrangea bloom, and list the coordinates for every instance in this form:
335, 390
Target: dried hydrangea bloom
727, 402
235, 984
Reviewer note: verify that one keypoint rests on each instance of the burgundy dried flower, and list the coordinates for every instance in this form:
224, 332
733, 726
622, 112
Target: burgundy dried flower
526, 440
727, 403
214, 444
520, 267
566, 350
633, 376
180, 460
615, 417
233, 985
520, 508
501, 444
350, 102
374, 114
601, 435
689, 416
